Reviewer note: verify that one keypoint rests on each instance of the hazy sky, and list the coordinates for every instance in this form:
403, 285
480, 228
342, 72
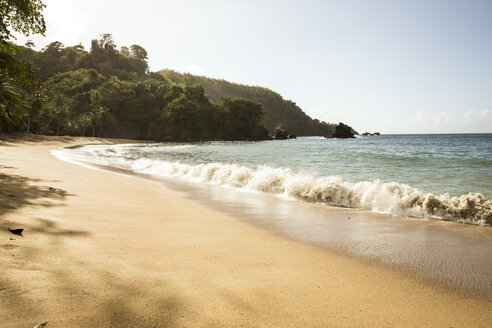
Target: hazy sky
390, 66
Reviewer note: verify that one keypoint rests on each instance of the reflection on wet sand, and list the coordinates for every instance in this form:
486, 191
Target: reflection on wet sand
455, 256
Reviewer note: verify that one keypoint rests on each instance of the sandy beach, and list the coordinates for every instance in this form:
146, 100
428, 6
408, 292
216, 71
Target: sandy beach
110, 250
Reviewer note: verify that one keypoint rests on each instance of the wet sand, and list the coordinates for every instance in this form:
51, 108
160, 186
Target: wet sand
454, 256
106, 249
450, 255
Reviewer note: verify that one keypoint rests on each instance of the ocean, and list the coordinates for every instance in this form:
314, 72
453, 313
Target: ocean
446, 176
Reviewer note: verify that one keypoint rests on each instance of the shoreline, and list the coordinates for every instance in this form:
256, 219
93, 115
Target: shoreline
444, 253
436, 267
325, 184
469, 282
107, 249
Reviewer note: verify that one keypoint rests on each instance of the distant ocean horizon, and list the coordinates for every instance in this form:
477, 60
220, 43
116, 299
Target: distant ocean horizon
434, 134
441, 176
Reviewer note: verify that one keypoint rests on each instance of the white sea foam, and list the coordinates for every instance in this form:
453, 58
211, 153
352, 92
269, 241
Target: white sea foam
391, 198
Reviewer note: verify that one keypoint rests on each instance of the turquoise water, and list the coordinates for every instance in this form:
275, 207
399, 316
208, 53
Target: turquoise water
440, 176
454, 164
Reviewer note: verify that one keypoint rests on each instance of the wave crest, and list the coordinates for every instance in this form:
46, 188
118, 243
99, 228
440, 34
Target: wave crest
390, 198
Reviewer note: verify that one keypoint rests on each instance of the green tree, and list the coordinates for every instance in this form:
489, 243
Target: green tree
138, 52
12, 107
54, 113
62, 115
109, 92
69, 98
83, 122
278, 111
98, 116
191, 116
36, 101
23, 16
242, 118
108, 61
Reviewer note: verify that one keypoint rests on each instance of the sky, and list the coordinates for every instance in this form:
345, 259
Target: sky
388, 66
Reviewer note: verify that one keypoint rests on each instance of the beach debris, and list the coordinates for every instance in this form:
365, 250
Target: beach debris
52, 189
12, 238
16, 231
42, 324
348, 218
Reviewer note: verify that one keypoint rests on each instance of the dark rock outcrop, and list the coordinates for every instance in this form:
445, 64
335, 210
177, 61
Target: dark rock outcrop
280, 134
367, 134
343, 131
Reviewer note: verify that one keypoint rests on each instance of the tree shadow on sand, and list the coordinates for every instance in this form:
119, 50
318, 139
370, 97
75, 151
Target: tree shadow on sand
17, 191
48, 227
12, 139
128, 305
119, 302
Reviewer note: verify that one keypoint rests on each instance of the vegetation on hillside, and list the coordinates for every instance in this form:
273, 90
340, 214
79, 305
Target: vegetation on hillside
22, 16
278, 111
110, 92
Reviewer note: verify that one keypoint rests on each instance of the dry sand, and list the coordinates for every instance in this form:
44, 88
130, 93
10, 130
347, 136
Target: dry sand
110, 250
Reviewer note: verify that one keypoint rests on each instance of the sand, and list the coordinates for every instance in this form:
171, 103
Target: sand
111, 250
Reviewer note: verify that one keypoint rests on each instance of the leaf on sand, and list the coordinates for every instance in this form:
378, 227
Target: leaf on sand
16, 231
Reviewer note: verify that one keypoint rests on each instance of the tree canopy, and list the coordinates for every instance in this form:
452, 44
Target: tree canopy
278, 111
23, 16
108, 91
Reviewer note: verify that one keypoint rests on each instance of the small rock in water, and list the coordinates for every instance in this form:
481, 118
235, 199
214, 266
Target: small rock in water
52, 189
348, 218
12, 238
16, 231
42, 324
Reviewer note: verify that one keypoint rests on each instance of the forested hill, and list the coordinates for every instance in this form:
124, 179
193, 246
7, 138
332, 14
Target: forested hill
278, 111
108, 91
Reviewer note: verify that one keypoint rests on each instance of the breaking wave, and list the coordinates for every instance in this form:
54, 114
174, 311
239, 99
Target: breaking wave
390, 198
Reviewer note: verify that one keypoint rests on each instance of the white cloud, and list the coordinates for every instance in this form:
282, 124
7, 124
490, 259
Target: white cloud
447, 122
434, 119
468, 116
485, 113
